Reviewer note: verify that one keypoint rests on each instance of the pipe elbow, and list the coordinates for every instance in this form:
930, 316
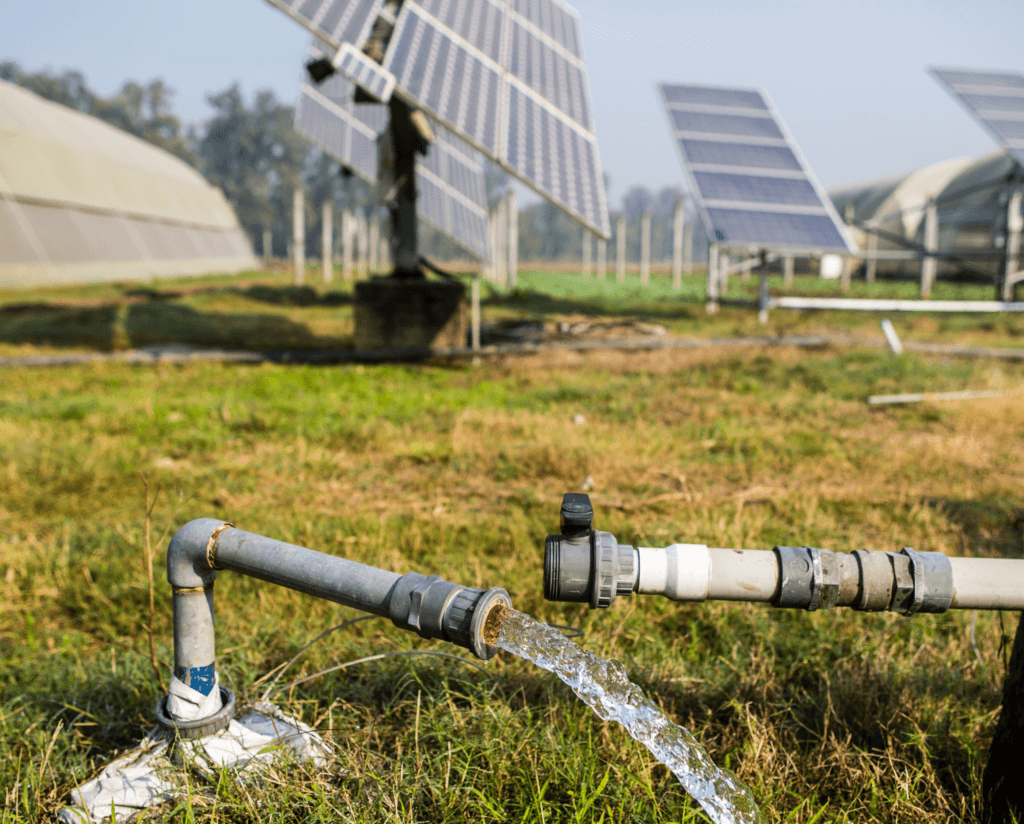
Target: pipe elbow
189, 554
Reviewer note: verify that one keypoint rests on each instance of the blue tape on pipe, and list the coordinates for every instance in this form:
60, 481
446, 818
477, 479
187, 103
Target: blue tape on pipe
198, 678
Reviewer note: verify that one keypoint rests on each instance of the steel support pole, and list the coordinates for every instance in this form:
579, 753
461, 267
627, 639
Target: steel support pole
711, 306
327, 241
374, 249
403, 237
645, 248
929, 263
299, 235
500, 249
620, 249
268, 246
762, 291
1014, 228
871, 265
588, 247
602, 258
512, 238
678, 231
346, 245
475, 314
364, 244
787, 270
688, 247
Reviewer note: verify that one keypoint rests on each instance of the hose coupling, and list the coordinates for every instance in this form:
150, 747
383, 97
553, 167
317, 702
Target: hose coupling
434, 608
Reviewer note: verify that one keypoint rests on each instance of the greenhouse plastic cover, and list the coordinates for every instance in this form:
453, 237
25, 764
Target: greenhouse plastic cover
83, 201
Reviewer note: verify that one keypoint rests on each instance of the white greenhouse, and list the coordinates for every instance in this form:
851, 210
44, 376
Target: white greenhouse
977, 205
82, 201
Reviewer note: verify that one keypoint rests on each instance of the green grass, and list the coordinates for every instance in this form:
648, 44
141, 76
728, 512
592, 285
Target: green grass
839, 716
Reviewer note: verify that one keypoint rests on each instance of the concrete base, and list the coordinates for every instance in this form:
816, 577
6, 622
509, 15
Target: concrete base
410, 314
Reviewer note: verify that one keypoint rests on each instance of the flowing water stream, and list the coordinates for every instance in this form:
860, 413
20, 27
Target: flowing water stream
604, 687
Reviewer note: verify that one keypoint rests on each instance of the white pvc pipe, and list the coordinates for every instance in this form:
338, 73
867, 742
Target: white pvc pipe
987, 583
694, 572
880, 305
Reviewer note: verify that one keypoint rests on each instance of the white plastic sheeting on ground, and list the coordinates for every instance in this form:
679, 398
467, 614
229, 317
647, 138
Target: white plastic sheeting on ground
154, 772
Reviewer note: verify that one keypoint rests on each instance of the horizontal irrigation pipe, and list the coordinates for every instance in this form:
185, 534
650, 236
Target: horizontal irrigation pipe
917, 397
884, 305
160, 355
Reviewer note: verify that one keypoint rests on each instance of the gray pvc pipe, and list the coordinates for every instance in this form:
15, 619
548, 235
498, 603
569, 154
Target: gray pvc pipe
335, 579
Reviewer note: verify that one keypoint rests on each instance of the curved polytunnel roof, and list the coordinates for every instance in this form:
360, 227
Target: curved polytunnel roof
81, 200
970, 195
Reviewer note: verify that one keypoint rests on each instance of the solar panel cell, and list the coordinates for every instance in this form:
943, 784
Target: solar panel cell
755, 189
1009, 129
725, 124
994, 102
969, 77
701, 96
747, 155
744, 226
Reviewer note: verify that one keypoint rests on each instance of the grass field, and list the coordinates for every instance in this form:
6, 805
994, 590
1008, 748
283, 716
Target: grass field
459, 470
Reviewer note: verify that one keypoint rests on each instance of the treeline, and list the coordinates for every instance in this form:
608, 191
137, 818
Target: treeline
250, 150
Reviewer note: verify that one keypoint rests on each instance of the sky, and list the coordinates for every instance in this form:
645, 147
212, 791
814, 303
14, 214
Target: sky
848, 78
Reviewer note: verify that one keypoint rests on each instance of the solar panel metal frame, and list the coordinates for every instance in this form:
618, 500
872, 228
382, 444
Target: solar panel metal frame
450, 145
803, 173
986, 117
598, 222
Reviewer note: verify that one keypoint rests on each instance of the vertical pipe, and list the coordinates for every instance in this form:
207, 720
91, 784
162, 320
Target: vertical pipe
364, 242
688, 248
871, 265
268, 246
602, 258
403, 234
327, 241
346, 245
588, 246
711, 306
762, 291
929, 263
475, 314
678, 231
1014, 226
374, 246
299, 235
645, 248
501, 250
512, 239
787, 270
620, 249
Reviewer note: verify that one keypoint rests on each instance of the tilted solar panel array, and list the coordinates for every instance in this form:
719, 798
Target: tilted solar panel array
995, 99
509, 77
450, 177
749, 181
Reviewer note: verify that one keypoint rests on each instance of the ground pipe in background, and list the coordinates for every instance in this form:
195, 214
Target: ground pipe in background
585, 565
424, 604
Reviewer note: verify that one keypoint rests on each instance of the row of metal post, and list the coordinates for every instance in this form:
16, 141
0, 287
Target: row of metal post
682, 249
359, 234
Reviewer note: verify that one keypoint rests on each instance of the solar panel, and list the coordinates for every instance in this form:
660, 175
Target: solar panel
995, 99
450, 177
750, 183
508, 77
